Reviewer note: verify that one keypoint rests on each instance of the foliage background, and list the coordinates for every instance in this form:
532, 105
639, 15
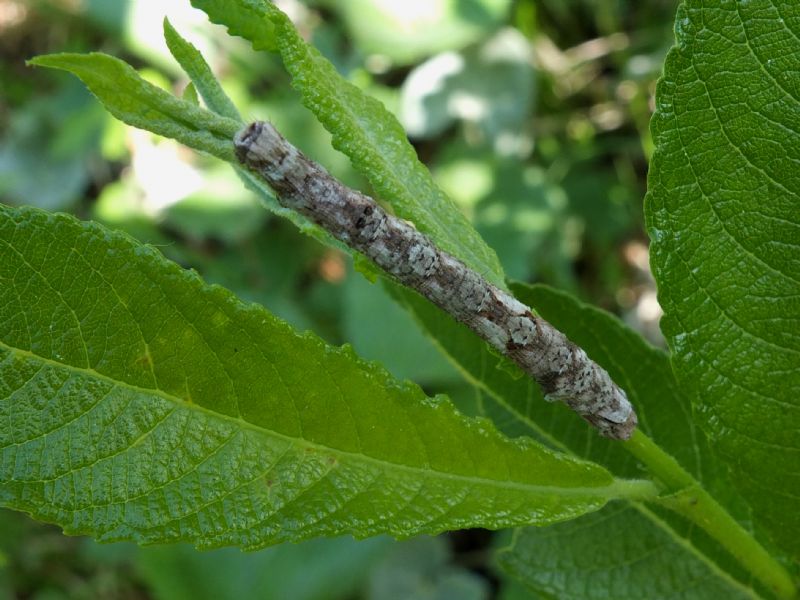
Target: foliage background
533, 116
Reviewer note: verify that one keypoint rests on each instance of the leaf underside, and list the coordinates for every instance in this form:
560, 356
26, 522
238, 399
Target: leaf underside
138, 403
723, 214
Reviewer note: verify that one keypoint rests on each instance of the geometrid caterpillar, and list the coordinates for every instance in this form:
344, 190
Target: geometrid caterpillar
563, 370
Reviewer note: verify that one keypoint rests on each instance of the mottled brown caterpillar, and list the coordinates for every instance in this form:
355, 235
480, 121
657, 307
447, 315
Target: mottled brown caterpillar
563, 370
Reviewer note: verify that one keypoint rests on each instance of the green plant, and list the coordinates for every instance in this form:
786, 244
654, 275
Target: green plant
139, 403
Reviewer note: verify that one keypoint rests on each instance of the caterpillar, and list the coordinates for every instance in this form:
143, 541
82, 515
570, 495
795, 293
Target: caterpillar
562, 369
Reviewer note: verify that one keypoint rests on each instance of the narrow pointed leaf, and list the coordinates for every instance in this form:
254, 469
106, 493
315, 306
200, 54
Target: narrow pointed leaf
136, 102
723, 214
141, 104
138, 403
200, 73
369, 134
248, 19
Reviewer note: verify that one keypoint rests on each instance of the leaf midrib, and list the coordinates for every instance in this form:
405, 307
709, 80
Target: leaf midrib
609, 491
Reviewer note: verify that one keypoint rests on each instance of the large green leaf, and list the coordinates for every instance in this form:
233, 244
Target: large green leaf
138, 403
723, 213
678, 554
369, 134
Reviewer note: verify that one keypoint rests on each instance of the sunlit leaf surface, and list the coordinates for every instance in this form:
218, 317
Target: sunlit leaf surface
139, 403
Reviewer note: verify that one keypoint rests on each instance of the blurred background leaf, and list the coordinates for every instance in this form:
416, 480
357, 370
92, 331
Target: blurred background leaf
420, 569
533, 116
405, 32
47, 153
315, 570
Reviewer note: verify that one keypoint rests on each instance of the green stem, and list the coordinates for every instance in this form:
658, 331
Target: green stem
686, 496
635, 490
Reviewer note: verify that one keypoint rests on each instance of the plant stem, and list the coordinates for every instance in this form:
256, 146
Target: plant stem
636, 490
686, 496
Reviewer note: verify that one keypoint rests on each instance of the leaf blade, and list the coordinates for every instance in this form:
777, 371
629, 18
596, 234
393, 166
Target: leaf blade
136, 102
200, 73
248, 19
646, 563
721, 212
213, 429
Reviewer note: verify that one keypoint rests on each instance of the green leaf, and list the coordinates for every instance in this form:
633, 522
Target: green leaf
248, 19
218, 101
628, 558
139, 403
722, 213
401, 347
200, 73
545, 560
371, 136
136, 102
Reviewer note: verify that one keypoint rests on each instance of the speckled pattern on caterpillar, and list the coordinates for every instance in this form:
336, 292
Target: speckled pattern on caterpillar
562, 369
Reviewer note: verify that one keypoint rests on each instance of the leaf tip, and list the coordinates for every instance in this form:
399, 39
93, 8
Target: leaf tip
41, 60
170, 33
